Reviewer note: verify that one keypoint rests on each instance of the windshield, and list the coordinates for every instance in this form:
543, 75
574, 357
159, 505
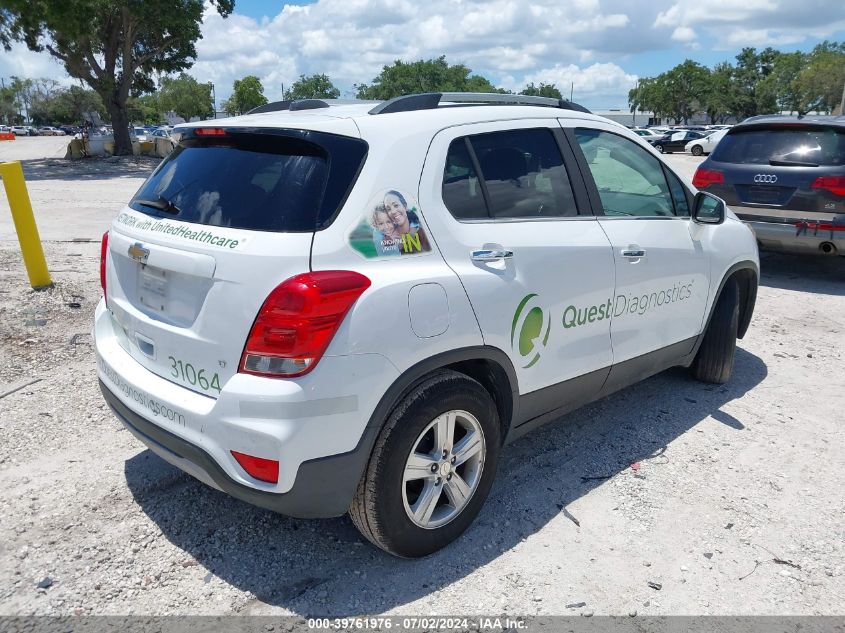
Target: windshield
802, 144
262, 182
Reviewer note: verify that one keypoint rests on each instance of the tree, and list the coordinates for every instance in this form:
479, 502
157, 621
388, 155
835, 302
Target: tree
312, 87
781, 82
75, 105
751, 94
185, 96
820, 83
146, 109
431, 75
114, 46
9, 106
718, 101
543, 90
22, 89
679, 92
247, 93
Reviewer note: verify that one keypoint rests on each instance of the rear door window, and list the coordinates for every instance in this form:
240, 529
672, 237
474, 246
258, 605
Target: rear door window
779, 145
522, 176
281, 180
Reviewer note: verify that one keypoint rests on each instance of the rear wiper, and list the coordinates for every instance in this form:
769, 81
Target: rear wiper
791, 163
162, 204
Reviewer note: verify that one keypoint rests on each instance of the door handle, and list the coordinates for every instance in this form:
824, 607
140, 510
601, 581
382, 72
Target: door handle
486, 255
633, 253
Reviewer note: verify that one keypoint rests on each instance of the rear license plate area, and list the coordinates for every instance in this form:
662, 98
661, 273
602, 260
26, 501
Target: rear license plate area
765, 194
152, 287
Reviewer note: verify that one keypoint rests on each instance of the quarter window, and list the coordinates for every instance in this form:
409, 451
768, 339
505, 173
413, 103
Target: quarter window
522, 176
629, 179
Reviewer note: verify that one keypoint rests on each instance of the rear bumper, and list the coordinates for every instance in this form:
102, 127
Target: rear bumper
317, 427
775, 230
323, 487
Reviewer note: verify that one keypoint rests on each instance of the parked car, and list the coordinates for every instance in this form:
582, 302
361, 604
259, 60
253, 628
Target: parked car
160, 133
69, 130
647, 134
675, 141
142, 134
705, 144
22, 130
47, 130
356, 311
785, 176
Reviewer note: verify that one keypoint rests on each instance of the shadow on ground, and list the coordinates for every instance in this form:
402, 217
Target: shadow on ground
803, 273
325, 568
93, 168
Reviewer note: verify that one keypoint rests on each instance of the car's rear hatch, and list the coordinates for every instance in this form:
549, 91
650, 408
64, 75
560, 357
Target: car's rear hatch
780, 172
224, 219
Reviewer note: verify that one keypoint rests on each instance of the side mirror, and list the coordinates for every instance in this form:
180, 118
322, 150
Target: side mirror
708, 209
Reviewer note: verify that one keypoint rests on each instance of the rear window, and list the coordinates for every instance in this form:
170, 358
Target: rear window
795, 145
261, 180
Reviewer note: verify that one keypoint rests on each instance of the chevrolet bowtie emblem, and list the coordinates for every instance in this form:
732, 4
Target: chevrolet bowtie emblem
139, 253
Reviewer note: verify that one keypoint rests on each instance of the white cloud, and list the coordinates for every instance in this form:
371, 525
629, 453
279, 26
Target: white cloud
21, 62
735, 23
684, 34
595, 83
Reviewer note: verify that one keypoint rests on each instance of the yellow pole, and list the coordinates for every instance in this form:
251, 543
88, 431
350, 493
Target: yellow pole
33, 253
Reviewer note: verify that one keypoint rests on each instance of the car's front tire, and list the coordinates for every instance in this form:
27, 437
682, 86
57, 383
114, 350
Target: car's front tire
697, 150
715, 358
660, 149
431, 468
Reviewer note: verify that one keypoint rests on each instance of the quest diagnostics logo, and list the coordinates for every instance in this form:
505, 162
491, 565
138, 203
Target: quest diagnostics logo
532, 322
530, 329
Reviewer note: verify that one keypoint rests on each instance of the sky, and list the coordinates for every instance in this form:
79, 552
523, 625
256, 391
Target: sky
596, 48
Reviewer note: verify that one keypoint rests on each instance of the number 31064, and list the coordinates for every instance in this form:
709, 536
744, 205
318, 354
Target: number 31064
186, 372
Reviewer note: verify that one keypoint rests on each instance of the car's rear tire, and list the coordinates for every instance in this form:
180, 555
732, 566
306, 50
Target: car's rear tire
407, 467
715, 358
697, 150
660, 149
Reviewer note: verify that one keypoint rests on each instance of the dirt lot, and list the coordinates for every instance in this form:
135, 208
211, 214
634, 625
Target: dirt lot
736, 507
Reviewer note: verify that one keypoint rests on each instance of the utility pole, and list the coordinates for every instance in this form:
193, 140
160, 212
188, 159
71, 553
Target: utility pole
571, 90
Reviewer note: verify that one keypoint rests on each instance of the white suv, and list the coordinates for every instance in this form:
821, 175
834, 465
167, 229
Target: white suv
321, 309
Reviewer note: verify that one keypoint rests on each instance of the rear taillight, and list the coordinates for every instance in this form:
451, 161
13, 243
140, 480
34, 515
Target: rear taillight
104, 249
297, 322
258, 467
833, 184
705, 177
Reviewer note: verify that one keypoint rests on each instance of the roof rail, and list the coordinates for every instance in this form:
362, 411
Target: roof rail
308, 104
288, 104
273, 106
431, 100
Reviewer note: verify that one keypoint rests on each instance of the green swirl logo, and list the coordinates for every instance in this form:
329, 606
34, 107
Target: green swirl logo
530, 330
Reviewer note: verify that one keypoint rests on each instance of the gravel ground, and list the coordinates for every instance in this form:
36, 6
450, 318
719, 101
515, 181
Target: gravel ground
670, 497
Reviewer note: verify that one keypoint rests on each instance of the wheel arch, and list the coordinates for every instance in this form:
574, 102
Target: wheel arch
490, 366
746, 275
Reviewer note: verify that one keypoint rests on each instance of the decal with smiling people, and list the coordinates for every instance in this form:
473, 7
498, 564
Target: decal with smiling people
390, 227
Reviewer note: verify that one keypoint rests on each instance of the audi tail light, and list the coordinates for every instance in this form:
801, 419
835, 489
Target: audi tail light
833, 184
104, 250
297, 322
703, 178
